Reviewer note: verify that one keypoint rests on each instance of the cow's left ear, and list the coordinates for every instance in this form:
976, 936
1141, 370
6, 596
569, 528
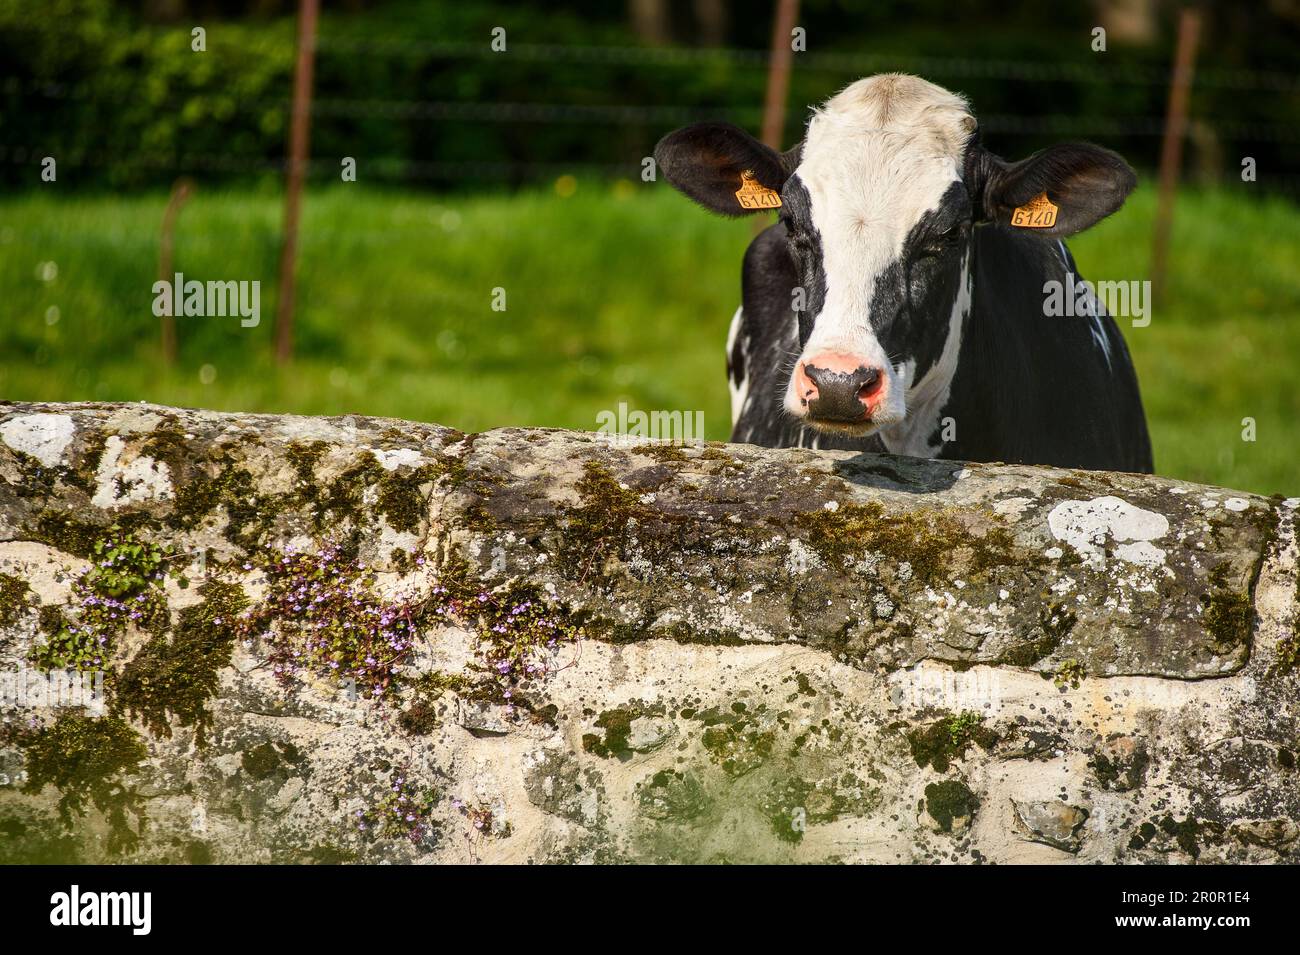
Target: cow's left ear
724, 169
1056, 192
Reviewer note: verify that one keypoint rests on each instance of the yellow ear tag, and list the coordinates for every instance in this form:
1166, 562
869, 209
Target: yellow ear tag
754, 195
1039, 213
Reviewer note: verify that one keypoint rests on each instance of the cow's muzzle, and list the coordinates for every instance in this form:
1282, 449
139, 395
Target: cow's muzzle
838, 389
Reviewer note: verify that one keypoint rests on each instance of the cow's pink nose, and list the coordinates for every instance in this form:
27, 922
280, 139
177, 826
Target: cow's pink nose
834, 386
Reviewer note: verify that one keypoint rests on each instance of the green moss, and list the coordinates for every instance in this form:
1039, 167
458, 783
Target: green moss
67, 533
735, 740
1142, 835
934, 543
50, 620
1184, 833
1055, 621
83, 758
599, 523
937, 744
303, 456
793, 803
663, 452
785, 806
83, 474
266, 759
175, 676
38, 481
248, 513
1187, 833
1229, 615
948, 801
419, 718
15, 599
167, 443
617, 724
399, 495
1288, 652
343, 498
1119, 773
403, 499
432, 685
672, 795
1288, 648
717, 454
634, 631
261, 761
329, 854
1027, 654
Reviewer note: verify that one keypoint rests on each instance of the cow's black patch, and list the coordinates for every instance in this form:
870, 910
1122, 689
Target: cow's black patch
805, 246
914, 298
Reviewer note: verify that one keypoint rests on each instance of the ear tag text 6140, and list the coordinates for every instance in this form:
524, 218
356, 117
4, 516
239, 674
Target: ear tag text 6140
1038, 213
754, 195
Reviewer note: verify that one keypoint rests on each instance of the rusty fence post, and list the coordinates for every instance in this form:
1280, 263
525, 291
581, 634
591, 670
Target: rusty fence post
299, 137
778, 82
1171, 149
182, 189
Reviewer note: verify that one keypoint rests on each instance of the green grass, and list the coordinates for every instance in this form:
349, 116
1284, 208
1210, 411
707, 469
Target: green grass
617, 293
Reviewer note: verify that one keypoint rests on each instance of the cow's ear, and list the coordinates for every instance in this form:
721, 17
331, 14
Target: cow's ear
712, 162
1056, 192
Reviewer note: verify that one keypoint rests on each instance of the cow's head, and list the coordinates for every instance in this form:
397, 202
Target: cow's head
878, 205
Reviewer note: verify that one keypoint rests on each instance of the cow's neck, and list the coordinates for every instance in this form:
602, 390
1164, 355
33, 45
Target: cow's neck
922, 433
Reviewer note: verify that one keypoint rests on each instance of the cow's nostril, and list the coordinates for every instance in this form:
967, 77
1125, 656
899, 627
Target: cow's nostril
870, 384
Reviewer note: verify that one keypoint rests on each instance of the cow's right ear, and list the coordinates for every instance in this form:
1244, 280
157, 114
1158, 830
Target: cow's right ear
1054, 193
712, 162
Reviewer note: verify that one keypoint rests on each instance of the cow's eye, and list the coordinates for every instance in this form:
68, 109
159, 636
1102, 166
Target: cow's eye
940, 241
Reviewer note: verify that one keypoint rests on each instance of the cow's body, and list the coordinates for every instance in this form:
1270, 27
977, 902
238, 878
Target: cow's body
1027, 388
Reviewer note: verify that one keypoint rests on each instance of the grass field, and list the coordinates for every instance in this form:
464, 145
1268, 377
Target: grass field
614, 293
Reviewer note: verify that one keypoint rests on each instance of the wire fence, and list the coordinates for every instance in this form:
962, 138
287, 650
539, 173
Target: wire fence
1107, 70
396, 169
1104, 71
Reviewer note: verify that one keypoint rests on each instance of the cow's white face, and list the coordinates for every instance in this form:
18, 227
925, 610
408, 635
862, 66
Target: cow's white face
879, 223
879, 206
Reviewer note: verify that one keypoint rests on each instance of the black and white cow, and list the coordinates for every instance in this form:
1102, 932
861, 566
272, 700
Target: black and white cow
896, 307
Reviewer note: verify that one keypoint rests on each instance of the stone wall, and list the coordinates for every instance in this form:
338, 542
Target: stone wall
360, 639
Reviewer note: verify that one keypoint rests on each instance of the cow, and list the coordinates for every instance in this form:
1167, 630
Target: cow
898, 302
